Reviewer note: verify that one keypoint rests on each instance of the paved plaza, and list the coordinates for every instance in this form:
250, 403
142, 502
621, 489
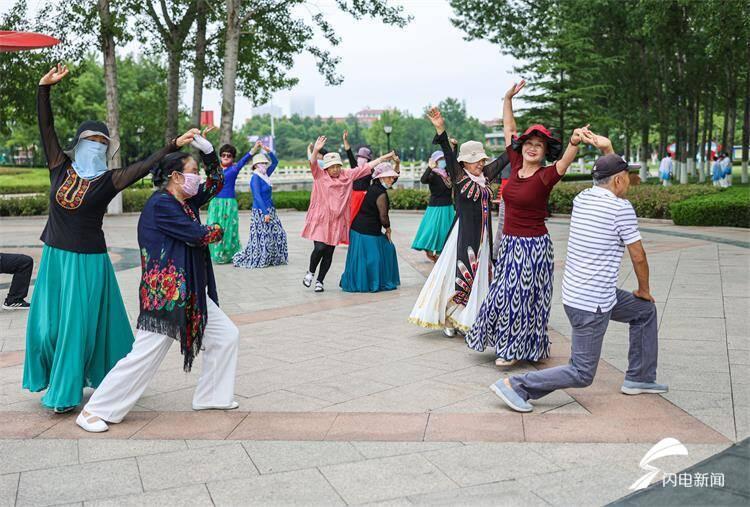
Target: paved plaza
342, 401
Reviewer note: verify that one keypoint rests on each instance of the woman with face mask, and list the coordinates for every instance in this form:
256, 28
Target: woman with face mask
178, 300
439, 215
267, 244
513, 318
371, 262
77, 326
457, 285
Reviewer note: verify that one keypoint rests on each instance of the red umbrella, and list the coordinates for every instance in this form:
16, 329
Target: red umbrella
19, 41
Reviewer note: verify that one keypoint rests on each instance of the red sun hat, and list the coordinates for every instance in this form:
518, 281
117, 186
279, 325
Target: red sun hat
554, 145
20, 41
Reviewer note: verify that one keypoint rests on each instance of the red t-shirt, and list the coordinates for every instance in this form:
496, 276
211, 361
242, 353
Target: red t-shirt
526, 198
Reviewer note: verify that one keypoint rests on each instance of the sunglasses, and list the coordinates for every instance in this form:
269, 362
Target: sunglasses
227, 155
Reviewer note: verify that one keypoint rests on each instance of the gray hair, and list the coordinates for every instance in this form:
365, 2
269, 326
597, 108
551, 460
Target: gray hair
601, 182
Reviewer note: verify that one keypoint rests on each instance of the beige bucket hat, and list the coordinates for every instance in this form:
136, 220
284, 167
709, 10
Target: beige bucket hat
330, 159
259, 158
471, 151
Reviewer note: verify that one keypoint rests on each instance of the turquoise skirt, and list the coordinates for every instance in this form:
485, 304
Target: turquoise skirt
371, 264
434, 228
77, 328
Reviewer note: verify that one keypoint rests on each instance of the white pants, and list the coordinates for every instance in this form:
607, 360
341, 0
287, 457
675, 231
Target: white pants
124, 384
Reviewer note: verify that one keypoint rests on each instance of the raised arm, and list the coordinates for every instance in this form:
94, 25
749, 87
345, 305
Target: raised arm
274, 163
509, 121
348, 150
214, 179
571, 151
441, 137
320, 142
601, 143
52, 150
493, 169
426, 175
360, 172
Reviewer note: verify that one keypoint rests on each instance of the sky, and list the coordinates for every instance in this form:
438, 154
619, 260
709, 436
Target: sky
389, 67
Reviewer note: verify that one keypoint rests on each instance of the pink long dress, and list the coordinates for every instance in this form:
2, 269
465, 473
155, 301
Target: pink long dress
328, 216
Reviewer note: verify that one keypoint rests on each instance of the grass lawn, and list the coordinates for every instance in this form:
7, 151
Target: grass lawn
16, 177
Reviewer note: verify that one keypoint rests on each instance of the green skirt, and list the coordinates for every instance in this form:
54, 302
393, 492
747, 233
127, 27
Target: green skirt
223, 211
434, 228
77, 327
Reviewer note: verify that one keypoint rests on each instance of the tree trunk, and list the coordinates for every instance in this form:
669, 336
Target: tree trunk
110, 84
199, 72
746, 125
710, 133
231, 53
174, 53
704, 139
724, 132
729, 148
645, 127
692, 130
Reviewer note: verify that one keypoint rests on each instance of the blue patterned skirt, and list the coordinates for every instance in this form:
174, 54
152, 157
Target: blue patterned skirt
266, 245
513, 317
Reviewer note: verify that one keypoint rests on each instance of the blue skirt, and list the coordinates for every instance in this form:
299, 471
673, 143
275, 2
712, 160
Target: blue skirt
434, 228
513, 317
266, 245
371, 264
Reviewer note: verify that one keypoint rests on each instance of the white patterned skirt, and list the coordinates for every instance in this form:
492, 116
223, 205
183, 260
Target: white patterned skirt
513, 319
266, 245
435, 308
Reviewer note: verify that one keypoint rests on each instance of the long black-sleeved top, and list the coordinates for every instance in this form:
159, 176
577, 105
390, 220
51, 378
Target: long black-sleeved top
363, 183
441, 189
77, 205
373, 215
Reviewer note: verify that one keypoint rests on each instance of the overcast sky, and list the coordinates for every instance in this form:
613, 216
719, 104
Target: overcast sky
384, 66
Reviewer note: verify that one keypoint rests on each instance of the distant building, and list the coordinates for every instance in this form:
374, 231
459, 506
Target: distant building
495, 141
267, 109
493, 123
367, 116
302, 105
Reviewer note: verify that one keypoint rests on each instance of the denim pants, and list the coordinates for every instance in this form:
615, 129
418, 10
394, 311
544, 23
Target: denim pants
586, 348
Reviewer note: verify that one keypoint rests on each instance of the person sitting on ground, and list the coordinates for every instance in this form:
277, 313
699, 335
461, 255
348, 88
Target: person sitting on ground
602, 224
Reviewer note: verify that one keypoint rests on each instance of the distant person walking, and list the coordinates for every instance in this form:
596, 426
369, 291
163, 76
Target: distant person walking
717, 172
726, 166
665, 170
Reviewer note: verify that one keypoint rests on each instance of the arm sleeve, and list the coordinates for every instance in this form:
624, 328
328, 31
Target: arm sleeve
382, 203
352, 159
493, 169
214, 180
361, 172
626, 225
172, 221
123, 178
256, 187
52, 150
425, 179
451, 164
244, 160
550, 176
317, 172
274, 163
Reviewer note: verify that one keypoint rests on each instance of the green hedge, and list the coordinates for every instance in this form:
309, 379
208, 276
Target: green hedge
729, 207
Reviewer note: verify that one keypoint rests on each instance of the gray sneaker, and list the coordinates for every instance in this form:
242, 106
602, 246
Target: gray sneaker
630, 387
510, 397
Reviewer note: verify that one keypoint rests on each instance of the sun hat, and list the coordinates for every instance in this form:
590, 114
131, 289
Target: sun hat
471, 151
384, 170
554, 146
331, 159
92, 128
436, 155
365, 152
611, 164
259, 158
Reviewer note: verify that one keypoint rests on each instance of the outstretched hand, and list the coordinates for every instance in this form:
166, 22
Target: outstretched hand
599, 142
54, 75
187, 137
345, 138
437, 119
578, 135
517, 87
320, 142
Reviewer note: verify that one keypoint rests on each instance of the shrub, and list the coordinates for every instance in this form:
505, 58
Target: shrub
135, 199
408, 198
729, 207
24, 206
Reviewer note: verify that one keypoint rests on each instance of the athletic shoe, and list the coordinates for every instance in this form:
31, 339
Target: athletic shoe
319, 286
630, 387
510, 397
449, 332
19, 304
307, 280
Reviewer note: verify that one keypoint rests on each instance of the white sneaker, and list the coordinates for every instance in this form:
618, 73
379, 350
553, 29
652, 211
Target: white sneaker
91, 425
307, 280
232, 406
449, 332
319, 286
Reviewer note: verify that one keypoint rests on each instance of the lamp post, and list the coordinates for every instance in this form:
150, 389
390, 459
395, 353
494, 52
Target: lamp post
388, 129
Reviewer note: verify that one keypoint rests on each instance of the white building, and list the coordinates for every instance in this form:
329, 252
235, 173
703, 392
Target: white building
302, 105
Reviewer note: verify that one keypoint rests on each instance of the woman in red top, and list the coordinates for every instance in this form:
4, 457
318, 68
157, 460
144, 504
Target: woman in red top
513, 317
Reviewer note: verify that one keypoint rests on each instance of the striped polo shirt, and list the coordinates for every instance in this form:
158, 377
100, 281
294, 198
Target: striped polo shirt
600, 227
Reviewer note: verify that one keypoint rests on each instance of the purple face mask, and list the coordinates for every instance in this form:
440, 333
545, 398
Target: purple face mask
191, 185
361, 161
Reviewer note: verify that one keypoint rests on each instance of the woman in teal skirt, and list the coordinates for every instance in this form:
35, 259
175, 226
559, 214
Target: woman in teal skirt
438, 218
77, 327
371, 262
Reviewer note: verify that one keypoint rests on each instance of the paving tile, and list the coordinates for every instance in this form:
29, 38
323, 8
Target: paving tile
482, 463
689, 327
8, 488
418, 397
505, 493
185, 496
93, 449
385, 478
443, 427
22, 455
341, 388
282, 401
25, 424
284, 426
73, 483
67, 428
210, 424
378, 426
384, 449
163, 471
586, 486
282, 456
302, 487
399, 373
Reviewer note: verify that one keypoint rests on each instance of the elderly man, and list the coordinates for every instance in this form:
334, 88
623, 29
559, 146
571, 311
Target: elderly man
603, 223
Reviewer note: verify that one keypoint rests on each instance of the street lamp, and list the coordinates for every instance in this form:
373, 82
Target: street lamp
388, 129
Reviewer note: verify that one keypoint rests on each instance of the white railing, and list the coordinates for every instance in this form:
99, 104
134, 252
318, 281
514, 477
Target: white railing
409, 172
